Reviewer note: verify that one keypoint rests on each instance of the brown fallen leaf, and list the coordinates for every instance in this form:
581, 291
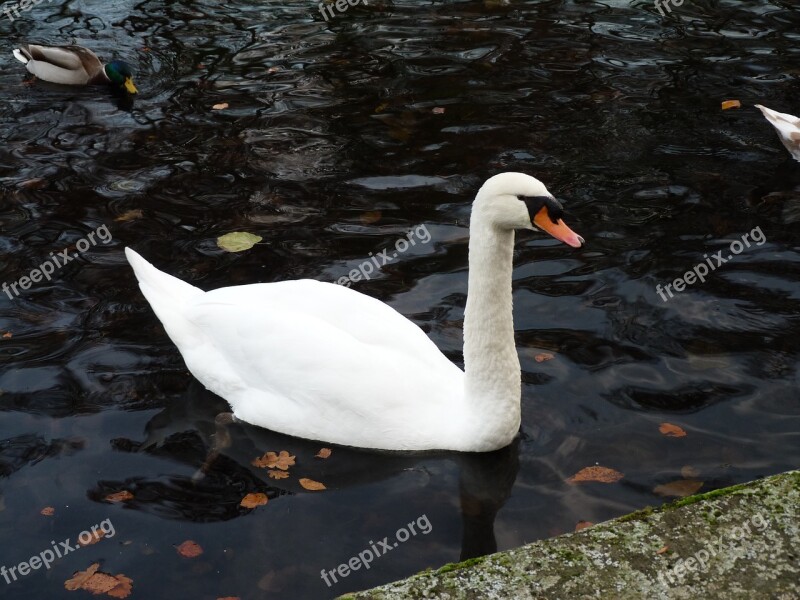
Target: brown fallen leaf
100, 583
124, 587
120, 496
731, 104
323, 453
254, 499
270, 460
543, 357
680, 488
671, 430
96, 582
662, 549
312, 485
689, 472
583, 525
600, 474
7, 335
80, 577
274, 474
129, 215
220, 106
370, 217
189, 549
94, 537
438, 110
48, 511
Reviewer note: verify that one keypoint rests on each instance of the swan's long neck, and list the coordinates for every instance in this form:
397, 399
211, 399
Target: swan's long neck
491, 363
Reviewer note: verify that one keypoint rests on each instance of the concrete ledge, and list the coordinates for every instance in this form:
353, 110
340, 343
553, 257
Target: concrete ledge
738, 542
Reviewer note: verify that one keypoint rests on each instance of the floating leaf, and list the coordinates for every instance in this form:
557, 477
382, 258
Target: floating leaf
94, 537
48, 511
8, 335
272, 70
254, 499
277, 474
600, 474
323, 453
662, 549
80, 577
439, 110
220, 106
312, 485
270, 460
238, 241
96, 582
731, 104
583, 525
124, 587
680, 488
119, 496
543, 357
671, 430
129, 215
689, 472
189, 549
370, 217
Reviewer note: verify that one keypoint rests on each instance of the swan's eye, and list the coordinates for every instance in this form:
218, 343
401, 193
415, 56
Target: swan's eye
535, 203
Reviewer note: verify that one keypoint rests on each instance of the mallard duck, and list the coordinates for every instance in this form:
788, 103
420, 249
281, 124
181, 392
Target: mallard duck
788, 128
74, 65
324, 362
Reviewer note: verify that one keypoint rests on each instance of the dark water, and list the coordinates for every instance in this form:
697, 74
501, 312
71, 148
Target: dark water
614, 107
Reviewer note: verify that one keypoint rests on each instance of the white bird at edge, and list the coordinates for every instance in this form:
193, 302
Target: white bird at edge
323, 362
788, 128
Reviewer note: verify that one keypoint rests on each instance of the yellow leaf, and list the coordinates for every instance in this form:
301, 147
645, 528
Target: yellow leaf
731, 104
323, 453
238, 241
277, 474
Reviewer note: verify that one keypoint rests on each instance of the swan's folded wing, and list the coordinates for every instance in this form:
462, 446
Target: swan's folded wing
319, 361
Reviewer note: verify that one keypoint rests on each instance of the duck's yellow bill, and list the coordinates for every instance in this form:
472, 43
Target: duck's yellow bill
130, 87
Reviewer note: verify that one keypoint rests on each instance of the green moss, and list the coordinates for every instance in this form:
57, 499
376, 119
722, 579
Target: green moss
462, 565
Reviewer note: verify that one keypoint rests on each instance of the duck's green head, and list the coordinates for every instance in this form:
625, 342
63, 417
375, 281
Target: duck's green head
121, 74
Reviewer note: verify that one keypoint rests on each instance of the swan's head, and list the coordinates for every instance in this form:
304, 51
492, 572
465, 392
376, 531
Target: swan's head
519, 201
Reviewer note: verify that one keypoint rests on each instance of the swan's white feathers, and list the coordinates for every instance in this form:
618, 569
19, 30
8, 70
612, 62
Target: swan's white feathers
310, 359
787, 127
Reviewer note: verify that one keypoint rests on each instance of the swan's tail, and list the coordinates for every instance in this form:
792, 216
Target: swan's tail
168, 297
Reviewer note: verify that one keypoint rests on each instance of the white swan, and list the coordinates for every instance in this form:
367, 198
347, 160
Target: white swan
324, 362
788, 128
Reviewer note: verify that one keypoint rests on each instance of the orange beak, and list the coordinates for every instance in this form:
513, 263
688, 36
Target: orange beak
558, 230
